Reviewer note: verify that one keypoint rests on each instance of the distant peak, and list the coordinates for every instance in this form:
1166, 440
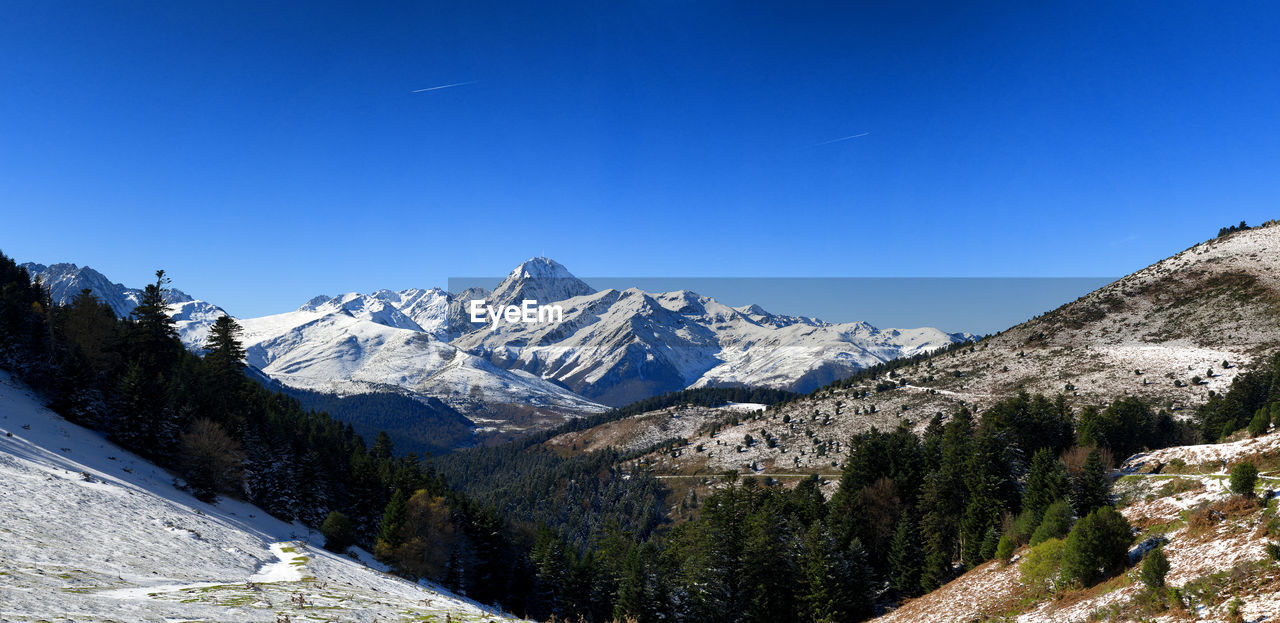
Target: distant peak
315, 302
541, 279
541, 268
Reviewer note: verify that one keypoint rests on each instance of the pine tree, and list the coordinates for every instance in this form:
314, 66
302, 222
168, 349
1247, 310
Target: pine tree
224, 346
146, 418
937, 533
223, 372
153, 335
1047, 482
382, 447
388, 538
905, 558
1261, 420
837, 581
549, 563
985, 474
1089, 491
1155, 566
1097, 547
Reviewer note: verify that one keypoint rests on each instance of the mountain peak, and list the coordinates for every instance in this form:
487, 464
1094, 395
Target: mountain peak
541, 279
541, 268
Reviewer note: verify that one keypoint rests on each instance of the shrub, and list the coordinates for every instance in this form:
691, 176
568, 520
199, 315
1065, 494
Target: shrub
1176, 486
1155, 566
1273, 550
1097, 547
1244, 477
1024, 526
1258, 425
1055, 525
338, 532
1041, 567
1004, 551
1203, 520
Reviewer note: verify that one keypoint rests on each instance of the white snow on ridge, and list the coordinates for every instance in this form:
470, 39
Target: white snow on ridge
357, 344
612, 346
93, 532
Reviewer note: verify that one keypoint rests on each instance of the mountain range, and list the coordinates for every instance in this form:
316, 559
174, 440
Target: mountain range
610, 348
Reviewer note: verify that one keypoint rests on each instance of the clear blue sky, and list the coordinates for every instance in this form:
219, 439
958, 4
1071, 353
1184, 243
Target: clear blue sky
265, 152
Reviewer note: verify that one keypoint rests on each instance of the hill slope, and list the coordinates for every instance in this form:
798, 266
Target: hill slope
1148, 334
1215, 546
94, 532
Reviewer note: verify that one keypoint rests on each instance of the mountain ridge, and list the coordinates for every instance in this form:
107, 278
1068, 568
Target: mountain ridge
612, 347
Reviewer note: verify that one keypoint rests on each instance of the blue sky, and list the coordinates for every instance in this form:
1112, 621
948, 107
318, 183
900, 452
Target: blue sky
266, 152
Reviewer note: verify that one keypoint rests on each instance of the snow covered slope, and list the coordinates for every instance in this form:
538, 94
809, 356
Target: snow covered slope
92, 532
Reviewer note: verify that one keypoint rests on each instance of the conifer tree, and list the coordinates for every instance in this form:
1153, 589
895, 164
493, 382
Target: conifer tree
1097, 546
1047, 482
382, 446
1089, 491
837, 581
1261, 420
388, 538
937, 534
905, 558
1155, 566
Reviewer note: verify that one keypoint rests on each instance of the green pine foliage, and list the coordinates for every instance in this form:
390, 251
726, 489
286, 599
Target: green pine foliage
1250, 391
1090, 488
1096, 548
1005, 549
1155, 566
1047, 482
1055, 524
338, 532
1128, 425
1244, 478
905, 558
1260, 422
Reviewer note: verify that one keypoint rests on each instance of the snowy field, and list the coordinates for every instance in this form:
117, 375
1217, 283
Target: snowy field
90, 532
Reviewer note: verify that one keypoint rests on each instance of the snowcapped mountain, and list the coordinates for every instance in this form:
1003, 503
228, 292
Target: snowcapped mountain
356, 343
65, 281
192, 317
611, 347
619, 346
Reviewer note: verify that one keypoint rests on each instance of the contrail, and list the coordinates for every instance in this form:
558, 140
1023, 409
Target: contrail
843, 139
444, 86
